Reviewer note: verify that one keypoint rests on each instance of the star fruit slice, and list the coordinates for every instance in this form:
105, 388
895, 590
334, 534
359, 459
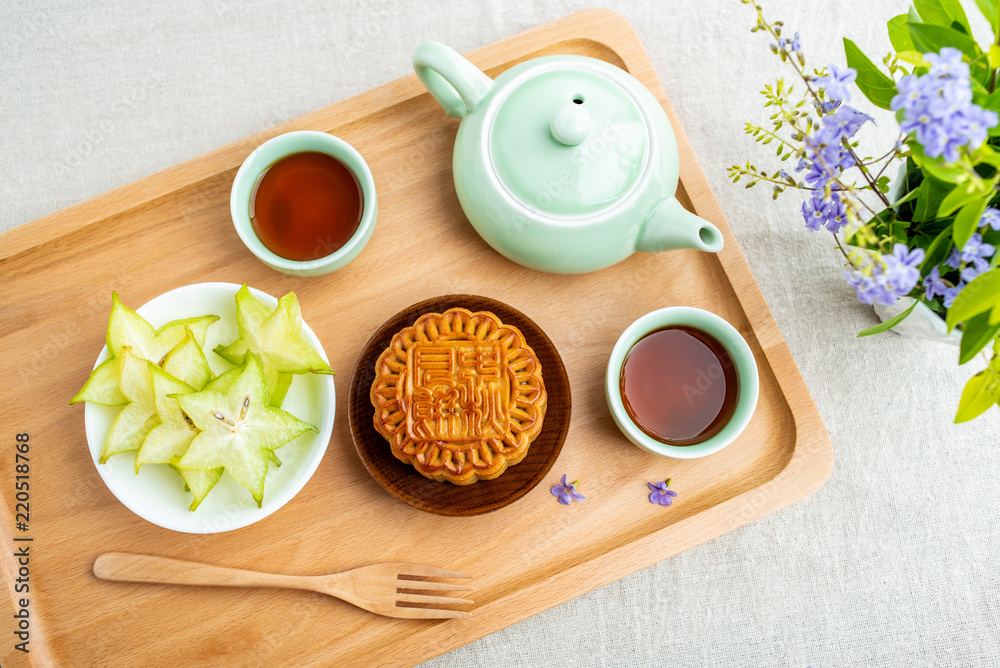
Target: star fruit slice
222, 382
238, 429
172, 436
128, 328
199, 483
275, 336
186, 362
138, 418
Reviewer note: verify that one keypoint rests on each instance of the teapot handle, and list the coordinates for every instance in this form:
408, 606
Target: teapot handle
455, 83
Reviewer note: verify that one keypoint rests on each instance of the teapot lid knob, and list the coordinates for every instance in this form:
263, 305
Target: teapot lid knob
571, 123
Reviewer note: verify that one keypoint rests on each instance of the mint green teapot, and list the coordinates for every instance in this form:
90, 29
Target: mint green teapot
564, 164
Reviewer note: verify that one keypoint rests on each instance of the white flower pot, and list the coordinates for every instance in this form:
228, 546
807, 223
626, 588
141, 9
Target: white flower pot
922, 323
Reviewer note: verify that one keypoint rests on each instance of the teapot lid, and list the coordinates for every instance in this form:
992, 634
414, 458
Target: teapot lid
568, 141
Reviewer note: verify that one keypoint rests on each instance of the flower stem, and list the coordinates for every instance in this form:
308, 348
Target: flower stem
805, 79
993, 74
785, 184
843, 252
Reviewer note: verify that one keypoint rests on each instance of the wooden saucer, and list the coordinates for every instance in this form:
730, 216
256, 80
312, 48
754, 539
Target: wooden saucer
444, 498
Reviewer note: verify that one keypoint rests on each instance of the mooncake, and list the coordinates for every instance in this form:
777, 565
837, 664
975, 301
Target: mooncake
459, 396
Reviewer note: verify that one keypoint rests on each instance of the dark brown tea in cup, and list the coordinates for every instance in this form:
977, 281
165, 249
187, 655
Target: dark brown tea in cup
306, 206
679, 385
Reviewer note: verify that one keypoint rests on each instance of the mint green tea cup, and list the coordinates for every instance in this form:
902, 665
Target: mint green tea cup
748, 380
282, 146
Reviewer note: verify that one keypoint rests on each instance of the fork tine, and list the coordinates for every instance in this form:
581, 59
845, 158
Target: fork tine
416, 570
426, 613
432, 585
424, 598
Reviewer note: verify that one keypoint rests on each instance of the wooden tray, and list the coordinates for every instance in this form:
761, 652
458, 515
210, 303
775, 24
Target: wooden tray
173, 228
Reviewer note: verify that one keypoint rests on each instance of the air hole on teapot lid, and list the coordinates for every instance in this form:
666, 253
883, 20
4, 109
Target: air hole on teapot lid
578, 99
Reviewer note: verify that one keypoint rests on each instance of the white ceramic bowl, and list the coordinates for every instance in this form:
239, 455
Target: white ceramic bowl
157, 493
724, 333
272, 151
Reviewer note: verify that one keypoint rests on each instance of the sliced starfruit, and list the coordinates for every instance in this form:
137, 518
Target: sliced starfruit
222, 383
186, 362
199, 483
224, 380
138, 417
128, 328
174, 433
239, 427
276, 338
102, 386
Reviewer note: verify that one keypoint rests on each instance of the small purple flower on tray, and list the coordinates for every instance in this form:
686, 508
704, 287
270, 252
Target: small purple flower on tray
566, 492
659, 492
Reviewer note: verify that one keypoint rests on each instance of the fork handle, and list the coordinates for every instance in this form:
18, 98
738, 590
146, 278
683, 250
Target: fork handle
122, 567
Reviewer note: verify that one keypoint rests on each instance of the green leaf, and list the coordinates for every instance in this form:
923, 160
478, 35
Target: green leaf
977, 333
981, 392
942, 12
890, 323
937, 251
933, 166
932, 193
967, 219
932, 38
956, 199
876, 86
899, 33
906, 198
991, 11
979, 296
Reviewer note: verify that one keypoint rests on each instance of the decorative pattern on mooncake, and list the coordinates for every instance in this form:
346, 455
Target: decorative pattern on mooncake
459, 395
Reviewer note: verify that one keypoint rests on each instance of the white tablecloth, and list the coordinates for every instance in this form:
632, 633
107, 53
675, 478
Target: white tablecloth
893, 563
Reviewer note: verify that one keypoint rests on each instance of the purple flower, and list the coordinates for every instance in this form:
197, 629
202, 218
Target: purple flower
909, 93
951, 293
938, 110
796, 43
790, 45
971, 271
844, 123
830, 213
948, 64
974, 249
814, 212
871, 289
826, 157
566, 492
836, 81
954, 259
902, 268
990, 217
888, 277
658, 492
934, 284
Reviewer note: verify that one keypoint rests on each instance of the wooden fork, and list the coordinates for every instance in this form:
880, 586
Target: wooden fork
385, 589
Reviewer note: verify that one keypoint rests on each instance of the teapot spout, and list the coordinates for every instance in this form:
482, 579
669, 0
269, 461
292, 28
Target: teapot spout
670, 226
